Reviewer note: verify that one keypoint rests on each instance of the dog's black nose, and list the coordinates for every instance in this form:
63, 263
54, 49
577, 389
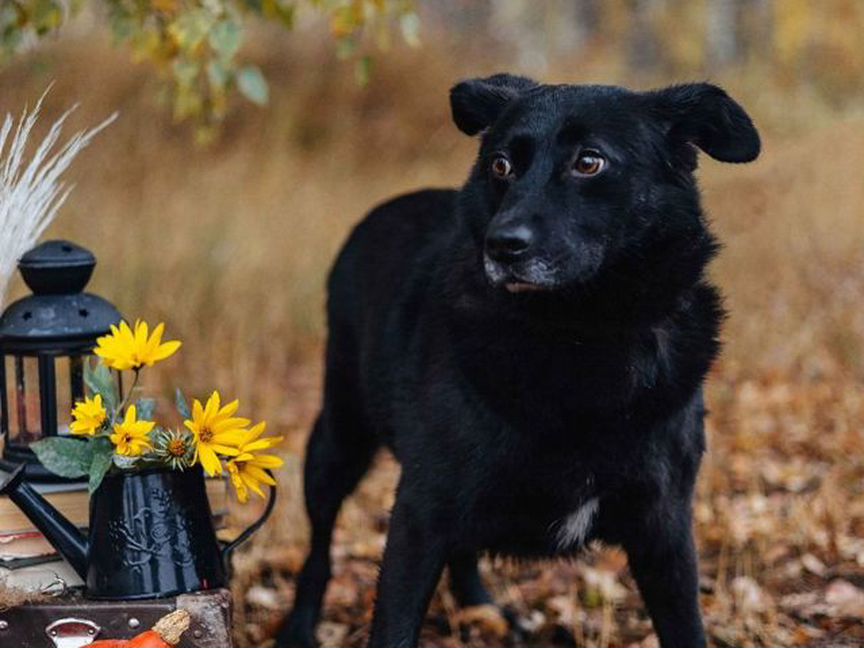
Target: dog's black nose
508, 243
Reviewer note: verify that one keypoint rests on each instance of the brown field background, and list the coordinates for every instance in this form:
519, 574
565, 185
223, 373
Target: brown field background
230, 246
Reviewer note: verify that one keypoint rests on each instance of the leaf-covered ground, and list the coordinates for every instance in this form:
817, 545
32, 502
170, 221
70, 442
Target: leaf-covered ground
780, 525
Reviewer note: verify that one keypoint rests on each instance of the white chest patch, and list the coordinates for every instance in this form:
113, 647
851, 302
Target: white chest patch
574, 529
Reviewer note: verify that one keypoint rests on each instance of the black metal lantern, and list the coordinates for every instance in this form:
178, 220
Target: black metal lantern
44, 339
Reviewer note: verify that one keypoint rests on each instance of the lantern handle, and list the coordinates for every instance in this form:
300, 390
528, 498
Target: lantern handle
228, 549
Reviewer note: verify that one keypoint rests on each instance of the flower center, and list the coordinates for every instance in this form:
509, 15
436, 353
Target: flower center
206, 434
177, 448
127, 438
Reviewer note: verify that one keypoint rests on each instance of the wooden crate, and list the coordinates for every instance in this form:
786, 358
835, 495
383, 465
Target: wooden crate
56, 623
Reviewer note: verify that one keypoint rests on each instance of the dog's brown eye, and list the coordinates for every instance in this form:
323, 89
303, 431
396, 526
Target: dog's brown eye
588, 163
501, 167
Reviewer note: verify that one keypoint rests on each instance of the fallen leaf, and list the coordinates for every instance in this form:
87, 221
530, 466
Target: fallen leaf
486, 618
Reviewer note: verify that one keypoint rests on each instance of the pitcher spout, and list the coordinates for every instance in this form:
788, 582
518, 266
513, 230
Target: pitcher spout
60, 532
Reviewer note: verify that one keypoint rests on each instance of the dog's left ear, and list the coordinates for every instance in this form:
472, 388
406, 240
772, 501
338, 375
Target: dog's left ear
705, 116
477, 103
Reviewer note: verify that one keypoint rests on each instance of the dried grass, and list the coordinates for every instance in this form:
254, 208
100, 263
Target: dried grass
31, 191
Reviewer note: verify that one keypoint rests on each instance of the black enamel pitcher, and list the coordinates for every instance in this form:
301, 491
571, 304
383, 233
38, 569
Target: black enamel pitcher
151, 534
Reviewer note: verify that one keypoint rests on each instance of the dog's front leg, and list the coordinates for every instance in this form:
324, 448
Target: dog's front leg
413, 562
663, 560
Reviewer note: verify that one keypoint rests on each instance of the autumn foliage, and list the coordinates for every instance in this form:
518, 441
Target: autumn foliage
195, 44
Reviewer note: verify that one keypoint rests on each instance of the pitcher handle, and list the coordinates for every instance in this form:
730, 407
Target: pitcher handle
228, 549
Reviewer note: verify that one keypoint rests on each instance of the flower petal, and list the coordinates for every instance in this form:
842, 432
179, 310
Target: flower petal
222, 449
268, 462
231, 408
209, 461
259, 475
166, 350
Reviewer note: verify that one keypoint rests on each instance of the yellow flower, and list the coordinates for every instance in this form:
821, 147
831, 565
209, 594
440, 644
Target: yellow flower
248, 475
252, 441
248, 470
127, 349
131, 438
89, 416
239, 484
216, 430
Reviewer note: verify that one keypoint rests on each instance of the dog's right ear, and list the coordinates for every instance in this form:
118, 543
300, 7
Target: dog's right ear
703, 115
477, 103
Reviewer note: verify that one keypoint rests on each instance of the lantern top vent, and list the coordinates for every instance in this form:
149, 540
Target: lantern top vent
57, 268
57, 272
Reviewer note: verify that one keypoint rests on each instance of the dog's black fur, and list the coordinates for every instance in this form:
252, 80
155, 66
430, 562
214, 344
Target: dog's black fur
532, 348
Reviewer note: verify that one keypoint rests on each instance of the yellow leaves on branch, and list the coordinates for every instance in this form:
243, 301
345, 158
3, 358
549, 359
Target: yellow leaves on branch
165, 6
195, 44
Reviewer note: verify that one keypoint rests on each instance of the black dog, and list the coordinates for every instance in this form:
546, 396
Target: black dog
532, 348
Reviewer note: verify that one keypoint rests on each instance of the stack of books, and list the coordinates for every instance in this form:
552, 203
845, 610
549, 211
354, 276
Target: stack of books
29, 562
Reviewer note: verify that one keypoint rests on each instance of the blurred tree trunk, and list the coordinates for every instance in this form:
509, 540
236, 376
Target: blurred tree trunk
460, 16
644, 50
572, 23
722, 32
538, 31
518, 25
755, 30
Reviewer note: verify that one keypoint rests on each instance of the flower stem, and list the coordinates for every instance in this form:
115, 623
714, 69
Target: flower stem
128, 396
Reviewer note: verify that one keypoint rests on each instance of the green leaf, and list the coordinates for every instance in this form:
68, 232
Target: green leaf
182, 404
64, 456
185, 71
145, 408
123, 27
363, 70
253, 85
346, 48
103, 453
226, 37
100, 380
284, 14
191, 28
217, 74
188, 102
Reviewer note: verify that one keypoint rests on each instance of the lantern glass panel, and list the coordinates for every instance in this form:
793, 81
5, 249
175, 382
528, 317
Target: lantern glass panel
76, 379
24, 415
62, 372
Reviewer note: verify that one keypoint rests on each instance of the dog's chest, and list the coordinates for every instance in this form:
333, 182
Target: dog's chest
542, 530
572, 531
539, 511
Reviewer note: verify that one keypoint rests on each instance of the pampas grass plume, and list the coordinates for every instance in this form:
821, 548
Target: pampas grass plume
32, 190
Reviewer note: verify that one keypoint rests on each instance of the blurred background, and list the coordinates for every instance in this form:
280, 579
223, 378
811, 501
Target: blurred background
226, 232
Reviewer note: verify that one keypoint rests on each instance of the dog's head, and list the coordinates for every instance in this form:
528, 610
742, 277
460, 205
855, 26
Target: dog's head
576, 183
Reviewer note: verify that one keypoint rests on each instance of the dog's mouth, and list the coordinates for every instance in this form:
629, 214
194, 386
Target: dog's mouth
515, 281
522, 287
